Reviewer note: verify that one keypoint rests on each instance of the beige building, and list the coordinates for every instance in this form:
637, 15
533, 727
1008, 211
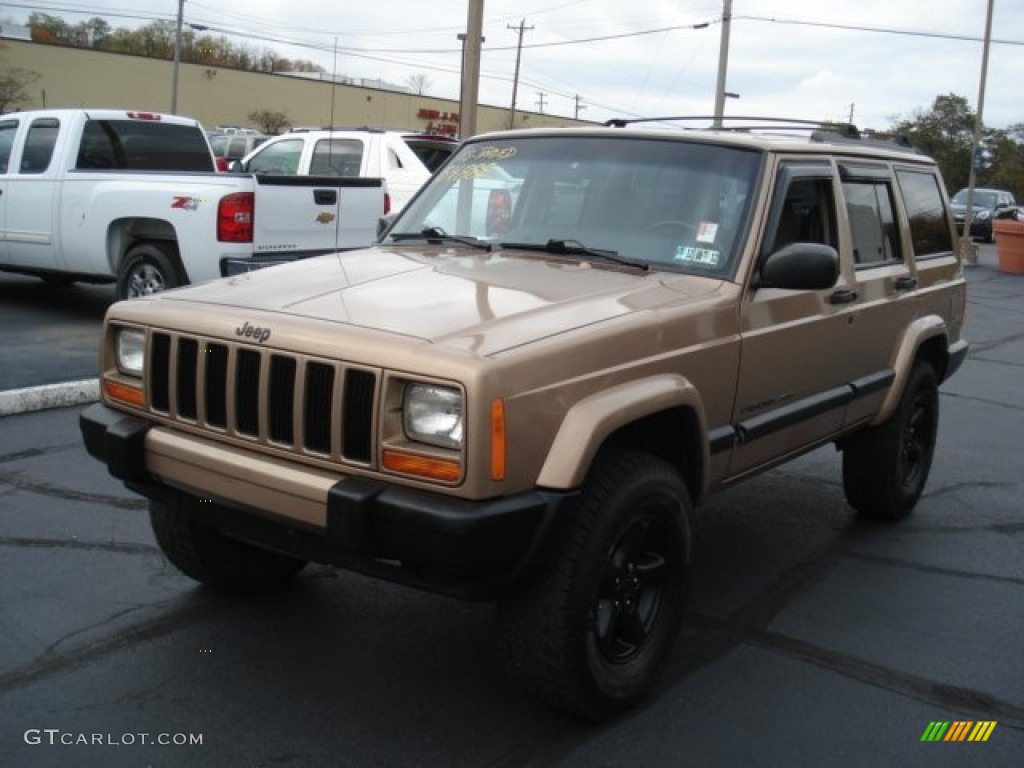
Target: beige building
76, 77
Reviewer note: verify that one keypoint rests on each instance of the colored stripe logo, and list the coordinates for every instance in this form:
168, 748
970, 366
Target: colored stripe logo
959, 730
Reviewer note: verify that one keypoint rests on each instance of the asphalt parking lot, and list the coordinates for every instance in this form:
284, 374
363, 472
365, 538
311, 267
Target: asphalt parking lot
812, 640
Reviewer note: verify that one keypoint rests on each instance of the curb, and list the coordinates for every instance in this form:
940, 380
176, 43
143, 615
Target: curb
16, 401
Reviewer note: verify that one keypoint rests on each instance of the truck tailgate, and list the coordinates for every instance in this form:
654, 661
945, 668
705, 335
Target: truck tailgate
302, 215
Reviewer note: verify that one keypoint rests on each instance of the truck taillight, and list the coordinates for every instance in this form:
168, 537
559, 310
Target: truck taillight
387, 203
144, 116
235, 217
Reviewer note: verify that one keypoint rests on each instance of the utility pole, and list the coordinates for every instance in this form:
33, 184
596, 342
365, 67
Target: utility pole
540, 102
177, 58
579, 106
470, 90
723, 60
968, 250
515, 81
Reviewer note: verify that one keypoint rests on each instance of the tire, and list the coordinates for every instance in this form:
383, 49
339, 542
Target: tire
885, 468
213, 559
148, 268
591, 631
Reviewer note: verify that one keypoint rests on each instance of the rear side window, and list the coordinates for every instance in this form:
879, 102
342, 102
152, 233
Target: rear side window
7, 130
872, 222
929, 223
137, 145
39, 144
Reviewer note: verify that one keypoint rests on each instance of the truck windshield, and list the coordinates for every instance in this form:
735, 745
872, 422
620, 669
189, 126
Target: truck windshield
664, 202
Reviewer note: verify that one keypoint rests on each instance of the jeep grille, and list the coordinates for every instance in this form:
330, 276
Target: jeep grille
305, 405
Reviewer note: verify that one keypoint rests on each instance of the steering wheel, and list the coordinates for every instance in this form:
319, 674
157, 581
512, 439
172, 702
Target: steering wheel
675, 224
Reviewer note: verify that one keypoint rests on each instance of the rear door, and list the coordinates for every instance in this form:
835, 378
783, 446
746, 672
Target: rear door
883, 280
8, 133
31, 198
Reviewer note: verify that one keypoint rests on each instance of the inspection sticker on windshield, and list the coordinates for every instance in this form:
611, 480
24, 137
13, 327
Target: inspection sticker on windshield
707, 231
703, 256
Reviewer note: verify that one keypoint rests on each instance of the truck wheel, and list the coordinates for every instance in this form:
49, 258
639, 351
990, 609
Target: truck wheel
211, 558
590, 633
885, 467
148, 268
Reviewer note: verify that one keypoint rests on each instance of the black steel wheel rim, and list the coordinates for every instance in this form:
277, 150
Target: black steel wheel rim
631, 592
916, 442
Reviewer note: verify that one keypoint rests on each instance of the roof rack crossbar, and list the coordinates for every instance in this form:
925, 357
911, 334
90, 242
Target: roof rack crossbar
845, 129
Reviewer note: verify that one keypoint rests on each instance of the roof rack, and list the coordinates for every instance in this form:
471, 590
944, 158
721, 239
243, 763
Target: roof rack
737, 123
367, 128
821, 130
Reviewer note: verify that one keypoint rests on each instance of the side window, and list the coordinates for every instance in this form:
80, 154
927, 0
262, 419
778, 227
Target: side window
930, 231
8, 128
39, 144
807, 214
280, 159
872, 222
337, 157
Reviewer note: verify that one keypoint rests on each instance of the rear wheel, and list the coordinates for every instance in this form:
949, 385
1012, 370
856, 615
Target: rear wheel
885, 468
211, 558
148, 268
590, 634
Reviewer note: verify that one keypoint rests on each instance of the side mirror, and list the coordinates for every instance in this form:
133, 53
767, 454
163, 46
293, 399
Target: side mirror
235, 166
801, 267
384, 224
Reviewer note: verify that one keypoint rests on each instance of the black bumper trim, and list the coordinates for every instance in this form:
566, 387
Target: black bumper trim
473, 549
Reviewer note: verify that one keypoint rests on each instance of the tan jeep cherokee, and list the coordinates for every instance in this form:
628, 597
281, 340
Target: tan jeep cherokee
565, 341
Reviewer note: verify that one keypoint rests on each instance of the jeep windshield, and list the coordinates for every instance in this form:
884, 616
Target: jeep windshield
666, 203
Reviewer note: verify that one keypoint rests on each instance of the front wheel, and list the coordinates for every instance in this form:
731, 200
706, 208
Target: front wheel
885, 467
213, 559
591, 632
148, 268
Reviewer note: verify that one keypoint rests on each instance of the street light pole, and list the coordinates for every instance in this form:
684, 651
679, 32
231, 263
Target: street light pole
177, 58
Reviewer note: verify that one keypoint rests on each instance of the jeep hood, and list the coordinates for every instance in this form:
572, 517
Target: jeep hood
486, 303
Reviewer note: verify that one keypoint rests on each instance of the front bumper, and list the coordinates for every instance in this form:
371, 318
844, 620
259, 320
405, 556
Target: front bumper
466, 548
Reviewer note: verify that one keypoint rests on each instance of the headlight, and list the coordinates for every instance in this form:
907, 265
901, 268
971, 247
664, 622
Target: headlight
434, 415
130, 348
982, 215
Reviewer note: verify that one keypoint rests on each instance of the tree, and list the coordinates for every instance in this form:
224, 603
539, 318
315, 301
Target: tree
270, 121
419, 84
946, 133
14, 83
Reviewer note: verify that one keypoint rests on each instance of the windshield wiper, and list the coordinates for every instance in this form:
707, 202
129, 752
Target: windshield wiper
438, 235
568, 247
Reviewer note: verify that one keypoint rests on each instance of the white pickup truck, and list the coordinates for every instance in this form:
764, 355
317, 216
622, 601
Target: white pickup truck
405, 161
133, 197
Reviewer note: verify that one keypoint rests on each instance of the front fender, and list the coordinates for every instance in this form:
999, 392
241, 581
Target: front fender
590, 422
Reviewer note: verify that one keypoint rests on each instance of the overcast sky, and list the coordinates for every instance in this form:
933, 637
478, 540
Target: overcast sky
877, 60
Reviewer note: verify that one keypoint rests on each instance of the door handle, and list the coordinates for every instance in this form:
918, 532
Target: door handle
842, 296
325, 196
905, 283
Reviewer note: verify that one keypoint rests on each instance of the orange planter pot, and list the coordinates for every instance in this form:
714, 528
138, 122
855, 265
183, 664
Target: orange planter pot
1009, 245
